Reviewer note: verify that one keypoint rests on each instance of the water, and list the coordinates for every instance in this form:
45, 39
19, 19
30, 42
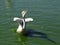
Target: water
46, 14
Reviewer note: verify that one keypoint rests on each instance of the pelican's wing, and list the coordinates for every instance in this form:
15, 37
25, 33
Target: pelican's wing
28, 19
16, 18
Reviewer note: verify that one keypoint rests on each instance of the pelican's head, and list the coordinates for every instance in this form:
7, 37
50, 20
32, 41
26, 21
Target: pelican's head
23, 13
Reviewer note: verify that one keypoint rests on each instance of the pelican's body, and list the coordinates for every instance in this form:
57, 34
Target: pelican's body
21, 23
19, 29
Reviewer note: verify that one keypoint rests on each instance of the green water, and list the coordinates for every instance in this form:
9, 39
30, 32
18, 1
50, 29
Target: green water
46, 14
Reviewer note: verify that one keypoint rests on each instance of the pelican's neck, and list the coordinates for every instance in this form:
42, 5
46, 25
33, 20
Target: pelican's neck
23, 21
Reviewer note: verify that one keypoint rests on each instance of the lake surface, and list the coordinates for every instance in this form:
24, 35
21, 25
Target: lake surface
46, 15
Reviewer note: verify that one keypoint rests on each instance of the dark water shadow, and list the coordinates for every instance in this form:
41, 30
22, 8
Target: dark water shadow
36, 34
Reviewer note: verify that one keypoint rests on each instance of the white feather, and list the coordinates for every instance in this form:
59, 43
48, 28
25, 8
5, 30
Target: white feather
28, 19
16, 18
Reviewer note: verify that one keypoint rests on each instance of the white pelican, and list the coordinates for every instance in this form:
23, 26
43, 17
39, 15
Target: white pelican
22, 21
22, 25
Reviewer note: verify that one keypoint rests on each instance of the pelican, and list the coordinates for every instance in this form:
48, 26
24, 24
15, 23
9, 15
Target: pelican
22, 22
31, 33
